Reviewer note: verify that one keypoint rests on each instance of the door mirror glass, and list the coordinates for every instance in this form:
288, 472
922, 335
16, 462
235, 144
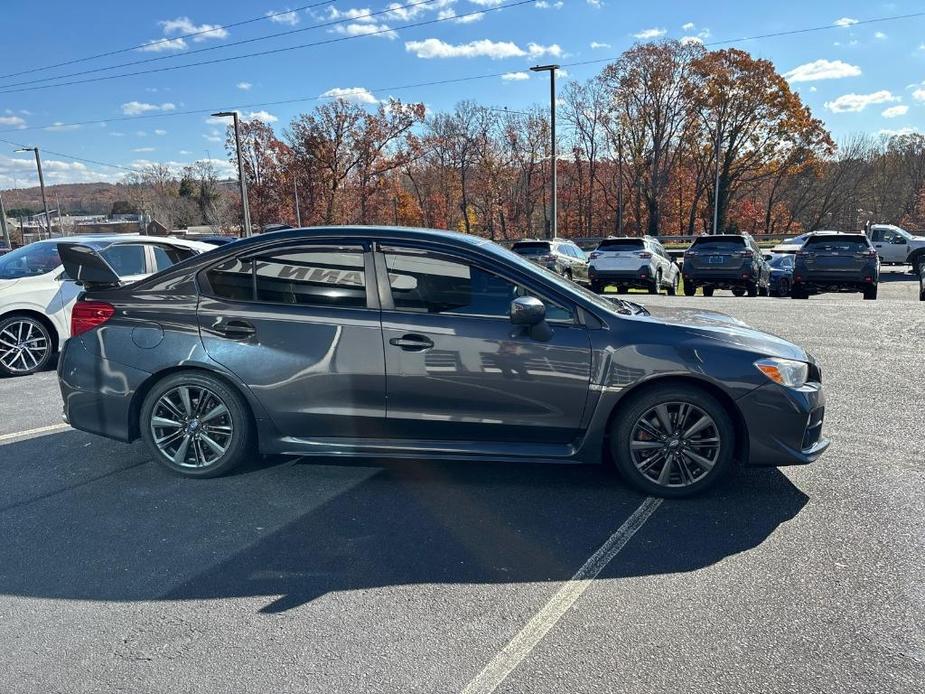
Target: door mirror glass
527, 310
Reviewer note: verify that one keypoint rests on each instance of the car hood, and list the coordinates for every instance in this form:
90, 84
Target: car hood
720, 327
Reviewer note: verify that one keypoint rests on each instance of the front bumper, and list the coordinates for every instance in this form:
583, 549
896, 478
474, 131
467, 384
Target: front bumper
784, 424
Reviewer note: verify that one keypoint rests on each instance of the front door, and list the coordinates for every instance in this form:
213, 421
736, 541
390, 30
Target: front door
299, 327
457, 369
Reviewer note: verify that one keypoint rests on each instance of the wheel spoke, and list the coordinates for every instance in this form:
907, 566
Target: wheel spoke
164, 422
165, 441
185, 399
644, 445
665, 475
698, 426
646, 465
649, 429
217, 411
168, 403
664, 418
179, 457
705, 463
217, 449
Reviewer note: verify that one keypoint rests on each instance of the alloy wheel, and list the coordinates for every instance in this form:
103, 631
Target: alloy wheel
24, 346
675, 444
191, 426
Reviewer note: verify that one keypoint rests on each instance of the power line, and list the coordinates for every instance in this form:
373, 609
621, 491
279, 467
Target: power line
438, 20
223, 46
70, 156
202, 32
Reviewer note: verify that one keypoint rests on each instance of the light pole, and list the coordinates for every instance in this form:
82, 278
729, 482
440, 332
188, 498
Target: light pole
3, 227
237, 143
551, 69
295, 194
716, 183
38, 164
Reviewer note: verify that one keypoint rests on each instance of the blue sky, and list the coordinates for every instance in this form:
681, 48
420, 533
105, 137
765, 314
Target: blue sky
856, 77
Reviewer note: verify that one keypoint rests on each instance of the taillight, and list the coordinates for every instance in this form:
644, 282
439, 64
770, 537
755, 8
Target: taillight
747, 254
594, 254
88, 315
645, 254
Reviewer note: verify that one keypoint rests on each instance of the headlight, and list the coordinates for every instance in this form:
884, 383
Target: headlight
786, 372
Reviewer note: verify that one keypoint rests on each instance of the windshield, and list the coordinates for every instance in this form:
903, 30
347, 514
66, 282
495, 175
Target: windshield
531, 248
781, 262
727, 245
35, 259
620, 244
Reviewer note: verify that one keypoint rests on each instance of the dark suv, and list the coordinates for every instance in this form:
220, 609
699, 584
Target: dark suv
836, 263
383, 342
726, 261
562, 256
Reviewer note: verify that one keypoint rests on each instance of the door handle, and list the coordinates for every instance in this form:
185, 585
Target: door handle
412, 342
236, 329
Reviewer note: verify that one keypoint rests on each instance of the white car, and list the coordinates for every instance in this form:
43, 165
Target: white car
640, 262
36, 296
896, 245
790, 245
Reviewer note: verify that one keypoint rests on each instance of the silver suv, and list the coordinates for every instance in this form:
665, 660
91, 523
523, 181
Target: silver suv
562, 256
639, 262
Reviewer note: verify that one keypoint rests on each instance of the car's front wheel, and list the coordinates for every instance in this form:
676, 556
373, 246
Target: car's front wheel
672, 441
196, 425
25, 346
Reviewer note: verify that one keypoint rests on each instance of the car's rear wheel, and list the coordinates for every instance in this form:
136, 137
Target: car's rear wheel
673, 287
708, 291
597, 287
655, 284
870, 293
196, 425
25, 346
738, 291
798, 292
752, 289
783, 289
690, 289
672, 441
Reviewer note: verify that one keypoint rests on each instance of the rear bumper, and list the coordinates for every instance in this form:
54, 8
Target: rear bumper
784, 424
719, 278
830, 280
641, 276
97, 393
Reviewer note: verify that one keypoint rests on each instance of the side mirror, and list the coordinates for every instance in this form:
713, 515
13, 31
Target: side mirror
527, 310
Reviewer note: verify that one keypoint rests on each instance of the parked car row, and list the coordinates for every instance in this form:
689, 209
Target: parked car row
382, 342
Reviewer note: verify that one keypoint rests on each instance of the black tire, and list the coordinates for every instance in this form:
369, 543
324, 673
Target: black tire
765, 290
798, 292
597, 287
238, 445
690, 289
751, 289
738, 291
621, 289
655, 284
784, 288
26, 346
567, 274
870, 293
673, 287
708, 291
624, 427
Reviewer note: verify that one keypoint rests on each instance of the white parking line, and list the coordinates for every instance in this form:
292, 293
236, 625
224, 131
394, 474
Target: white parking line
33, 432
509, 657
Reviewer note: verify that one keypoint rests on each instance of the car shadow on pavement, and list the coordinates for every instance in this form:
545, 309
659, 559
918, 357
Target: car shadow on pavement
117, 529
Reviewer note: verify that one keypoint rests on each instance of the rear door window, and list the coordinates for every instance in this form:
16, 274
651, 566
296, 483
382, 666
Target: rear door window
166, 256
127, 259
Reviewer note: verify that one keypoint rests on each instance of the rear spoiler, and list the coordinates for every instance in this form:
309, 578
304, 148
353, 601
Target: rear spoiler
87, 267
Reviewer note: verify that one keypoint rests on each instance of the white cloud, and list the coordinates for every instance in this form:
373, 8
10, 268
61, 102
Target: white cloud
288, 17
822, 70
160, 132
688, 26
184, 25
262, 116
117, 134
143, 149
465, 19
358, 95
901, 131
244, 86
546, 5
687, 40
365, 29
59, 127
487, 3
895, 111
537, 50
919, 95
184, 151
879, 35
214, 136
596, 3
515, 76
845, 22
648, 34
598, 44
134, 108
13, 122
483, 48
852, 103
158, 45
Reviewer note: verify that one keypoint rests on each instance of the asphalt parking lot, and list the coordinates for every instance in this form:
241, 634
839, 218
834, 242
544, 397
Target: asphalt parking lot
399, 577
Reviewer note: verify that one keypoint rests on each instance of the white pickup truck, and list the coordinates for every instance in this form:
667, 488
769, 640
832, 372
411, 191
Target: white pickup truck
895, 245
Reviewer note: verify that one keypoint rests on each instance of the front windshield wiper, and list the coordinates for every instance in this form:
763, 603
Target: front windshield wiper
630, 308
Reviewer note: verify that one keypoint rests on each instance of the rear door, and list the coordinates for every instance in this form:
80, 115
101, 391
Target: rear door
836, 255
619, 254
457, 369
299, 324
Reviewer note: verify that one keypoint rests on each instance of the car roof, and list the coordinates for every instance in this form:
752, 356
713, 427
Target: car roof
370, 232
721, 237
98, 241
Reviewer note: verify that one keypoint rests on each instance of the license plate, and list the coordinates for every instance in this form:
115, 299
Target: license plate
715, 259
